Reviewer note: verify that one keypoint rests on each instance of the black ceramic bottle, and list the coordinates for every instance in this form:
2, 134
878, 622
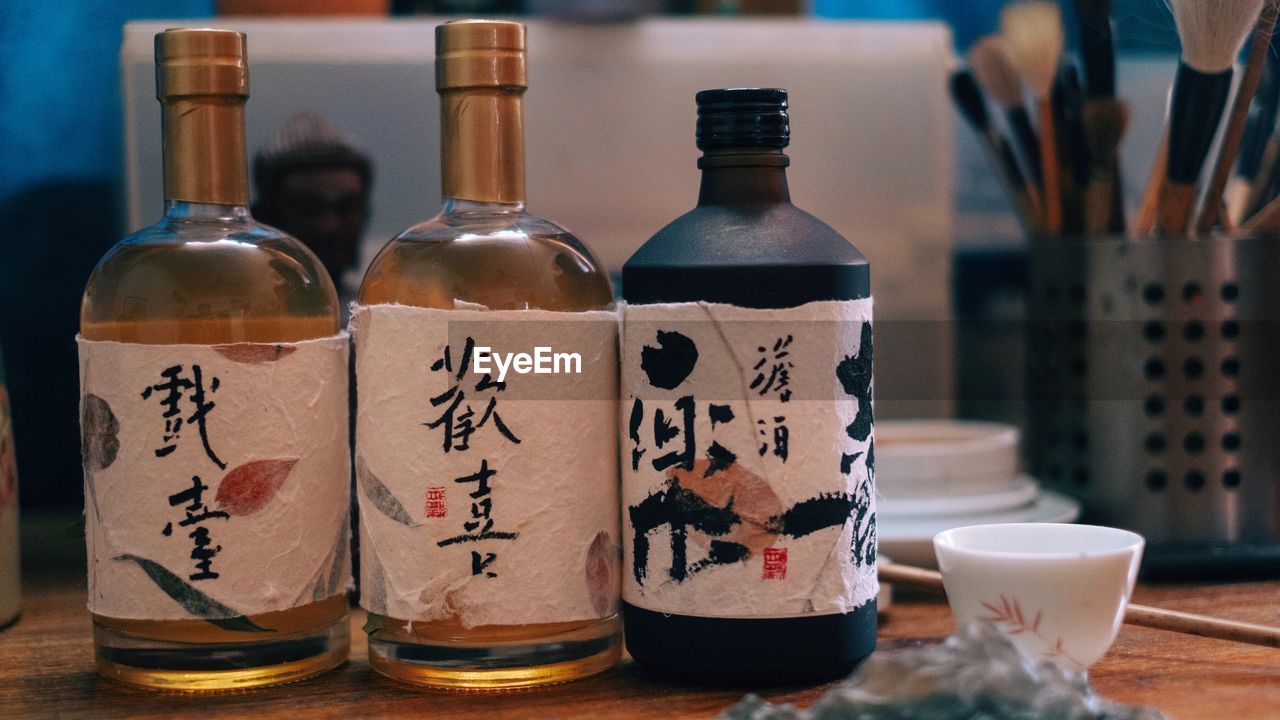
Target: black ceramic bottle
745, 244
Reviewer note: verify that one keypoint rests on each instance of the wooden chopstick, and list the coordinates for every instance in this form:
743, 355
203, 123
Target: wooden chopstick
1141, 615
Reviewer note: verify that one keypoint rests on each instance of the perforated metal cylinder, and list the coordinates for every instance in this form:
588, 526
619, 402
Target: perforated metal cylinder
1154, 385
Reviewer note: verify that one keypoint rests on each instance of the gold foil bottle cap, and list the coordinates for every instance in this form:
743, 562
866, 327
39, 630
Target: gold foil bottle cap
480, 53
201, 61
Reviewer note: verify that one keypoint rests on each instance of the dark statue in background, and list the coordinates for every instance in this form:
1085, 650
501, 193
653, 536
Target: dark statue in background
313, 182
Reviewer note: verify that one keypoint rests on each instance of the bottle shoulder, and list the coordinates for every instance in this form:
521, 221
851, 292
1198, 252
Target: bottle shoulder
505, 260
228, 271
746, 235
757, 256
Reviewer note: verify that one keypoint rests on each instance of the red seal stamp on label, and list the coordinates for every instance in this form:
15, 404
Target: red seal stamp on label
775, 564
436, 507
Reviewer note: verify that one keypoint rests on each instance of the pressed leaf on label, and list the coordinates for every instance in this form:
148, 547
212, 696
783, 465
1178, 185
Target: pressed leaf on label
380, 495
252, 486
373, 595
373, 623
602, 576
99, 433
331, 579
253, 353
192, 600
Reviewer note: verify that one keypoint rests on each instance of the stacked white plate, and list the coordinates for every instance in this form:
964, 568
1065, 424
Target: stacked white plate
933, 475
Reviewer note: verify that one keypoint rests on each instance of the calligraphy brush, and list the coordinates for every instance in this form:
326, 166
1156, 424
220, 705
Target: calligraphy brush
1105, 122
969, 99
1097, 47
1144, 221
1259, 46
990, 65
1211, 33
1032, 31
1067, 101
1267, 218
1257, 131
1264, 179
1105, 117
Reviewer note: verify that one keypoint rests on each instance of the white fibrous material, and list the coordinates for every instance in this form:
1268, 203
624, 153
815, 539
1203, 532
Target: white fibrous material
976, 674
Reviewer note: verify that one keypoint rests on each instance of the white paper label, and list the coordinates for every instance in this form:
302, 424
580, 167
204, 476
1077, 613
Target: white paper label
216, 477
748, 459
491, 502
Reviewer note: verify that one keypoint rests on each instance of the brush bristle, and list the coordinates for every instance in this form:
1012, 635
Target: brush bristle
1213, 31
990, 63
1032, 33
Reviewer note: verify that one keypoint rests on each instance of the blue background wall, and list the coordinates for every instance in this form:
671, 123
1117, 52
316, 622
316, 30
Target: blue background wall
60, 176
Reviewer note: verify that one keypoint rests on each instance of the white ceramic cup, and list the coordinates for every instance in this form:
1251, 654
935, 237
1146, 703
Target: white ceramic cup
1058, 591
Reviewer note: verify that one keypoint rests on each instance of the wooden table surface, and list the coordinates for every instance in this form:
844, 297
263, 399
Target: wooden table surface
46, 670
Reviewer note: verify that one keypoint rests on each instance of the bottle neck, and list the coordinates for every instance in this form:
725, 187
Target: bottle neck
482, 145
204, 150
182, 210
743, 177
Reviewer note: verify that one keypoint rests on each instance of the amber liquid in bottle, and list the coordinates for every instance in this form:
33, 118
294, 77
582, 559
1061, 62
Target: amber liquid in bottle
206, 273
484, 248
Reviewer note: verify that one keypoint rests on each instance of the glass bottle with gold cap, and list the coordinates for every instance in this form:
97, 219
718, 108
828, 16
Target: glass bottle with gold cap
488, 496
214, 416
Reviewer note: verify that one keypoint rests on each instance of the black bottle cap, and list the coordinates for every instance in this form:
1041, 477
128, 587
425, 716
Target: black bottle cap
742, 118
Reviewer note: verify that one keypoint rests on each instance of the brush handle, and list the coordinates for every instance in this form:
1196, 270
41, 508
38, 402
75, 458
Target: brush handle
1140, 615
1024, 136
1071, 128
1145, 221
1266, 219
1023, 193
1049, 158
1116, 226
972, 106
1105, 122
1074, 161
1098, 54
1098, 198
1261, 120
1177, 201
1258, 48
1194, 113
1263, 180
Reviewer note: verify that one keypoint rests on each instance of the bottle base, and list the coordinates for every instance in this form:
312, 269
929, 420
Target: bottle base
749, 652
220, 666
444, 662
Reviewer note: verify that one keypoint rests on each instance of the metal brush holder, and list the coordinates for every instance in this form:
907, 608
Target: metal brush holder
1154, 394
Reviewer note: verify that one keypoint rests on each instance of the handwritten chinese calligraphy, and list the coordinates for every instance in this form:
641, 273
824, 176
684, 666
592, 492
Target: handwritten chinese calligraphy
457, 417
748, 440
854, 374
215, 477
172, 390
457, 426
171, 393
197, 513
773, 379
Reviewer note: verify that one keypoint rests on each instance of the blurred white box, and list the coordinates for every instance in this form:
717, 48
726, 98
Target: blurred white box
610, 126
